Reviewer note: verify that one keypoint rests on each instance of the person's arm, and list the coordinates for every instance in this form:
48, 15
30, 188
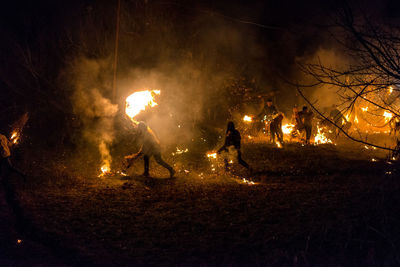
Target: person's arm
224, 146
130, 158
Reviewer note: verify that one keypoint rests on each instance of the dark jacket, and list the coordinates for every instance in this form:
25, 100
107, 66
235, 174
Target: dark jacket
232, 138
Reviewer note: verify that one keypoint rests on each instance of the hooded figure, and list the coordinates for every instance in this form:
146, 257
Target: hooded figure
233, 139
149, 146
5, 151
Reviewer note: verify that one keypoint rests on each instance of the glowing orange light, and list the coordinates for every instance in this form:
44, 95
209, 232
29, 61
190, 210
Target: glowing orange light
212, 155
138, 101
247, 118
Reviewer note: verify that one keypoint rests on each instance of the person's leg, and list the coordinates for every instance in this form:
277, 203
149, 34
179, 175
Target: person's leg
146, 165
272, 132
241, 161
280, 135
9, 165
226, 164
160, 161
308, 134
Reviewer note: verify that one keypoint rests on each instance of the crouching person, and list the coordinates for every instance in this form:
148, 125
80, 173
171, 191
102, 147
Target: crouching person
150, 146
5, 149
233, 139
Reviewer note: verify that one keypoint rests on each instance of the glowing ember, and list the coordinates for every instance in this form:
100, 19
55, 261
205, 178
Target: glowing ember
390, 89
19, 241
14, 137
212, 155
287, 128
387, 115
373, 160
180, 151
244, 180
247, 118
138, 101
320, 137
364, 109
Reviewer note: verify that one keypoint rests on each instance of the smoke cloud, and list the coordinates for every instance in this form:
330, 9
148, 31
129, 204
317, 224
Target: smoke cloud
95, 111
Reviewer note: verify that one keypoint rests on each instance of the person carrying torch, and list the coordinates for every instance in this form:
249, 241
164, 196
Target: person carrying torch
150, 146
5, 151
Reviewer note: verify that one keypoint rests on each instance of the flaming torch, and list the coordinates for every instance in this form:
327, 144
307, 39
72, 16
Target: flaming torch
139, 101
17, 127
14, 137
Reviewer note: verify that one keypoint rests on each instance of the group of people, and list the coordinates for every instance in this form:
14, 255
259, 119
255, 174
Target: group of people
271, 121
150, 145
270, 117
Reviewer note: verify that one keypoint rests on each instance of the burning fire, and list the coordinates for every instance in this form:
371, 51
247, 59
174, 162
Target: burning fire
247, 118
245, 181
138, 101
105, 169
320, 137
287, 128
387, 115
14, 137
278, 144
212, 155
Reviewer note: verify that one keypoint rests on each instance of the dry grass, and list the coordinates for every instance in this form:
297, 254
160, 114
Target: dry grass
311, 205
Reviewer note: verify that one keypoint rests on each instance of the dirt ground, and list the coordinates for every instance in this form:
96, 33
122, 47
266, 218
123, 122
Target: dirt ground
303, 205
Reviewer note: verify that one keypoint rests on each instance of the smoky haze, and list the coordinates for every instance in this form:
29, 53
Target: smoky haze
209, 67
212, 60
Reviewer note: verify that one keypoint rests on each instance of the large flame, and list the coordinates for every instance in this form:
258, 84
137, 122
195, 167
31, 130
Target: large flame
287, 128
138, 101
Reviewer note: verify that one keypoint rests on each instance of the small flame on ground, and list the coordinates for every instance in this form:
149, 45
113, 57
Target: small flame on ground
390, 89
138, 101
212, 155
387, 115
19, 241
105, 169
278, 144
320, 137
373, 160
180, 151
244, 180
247, 118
